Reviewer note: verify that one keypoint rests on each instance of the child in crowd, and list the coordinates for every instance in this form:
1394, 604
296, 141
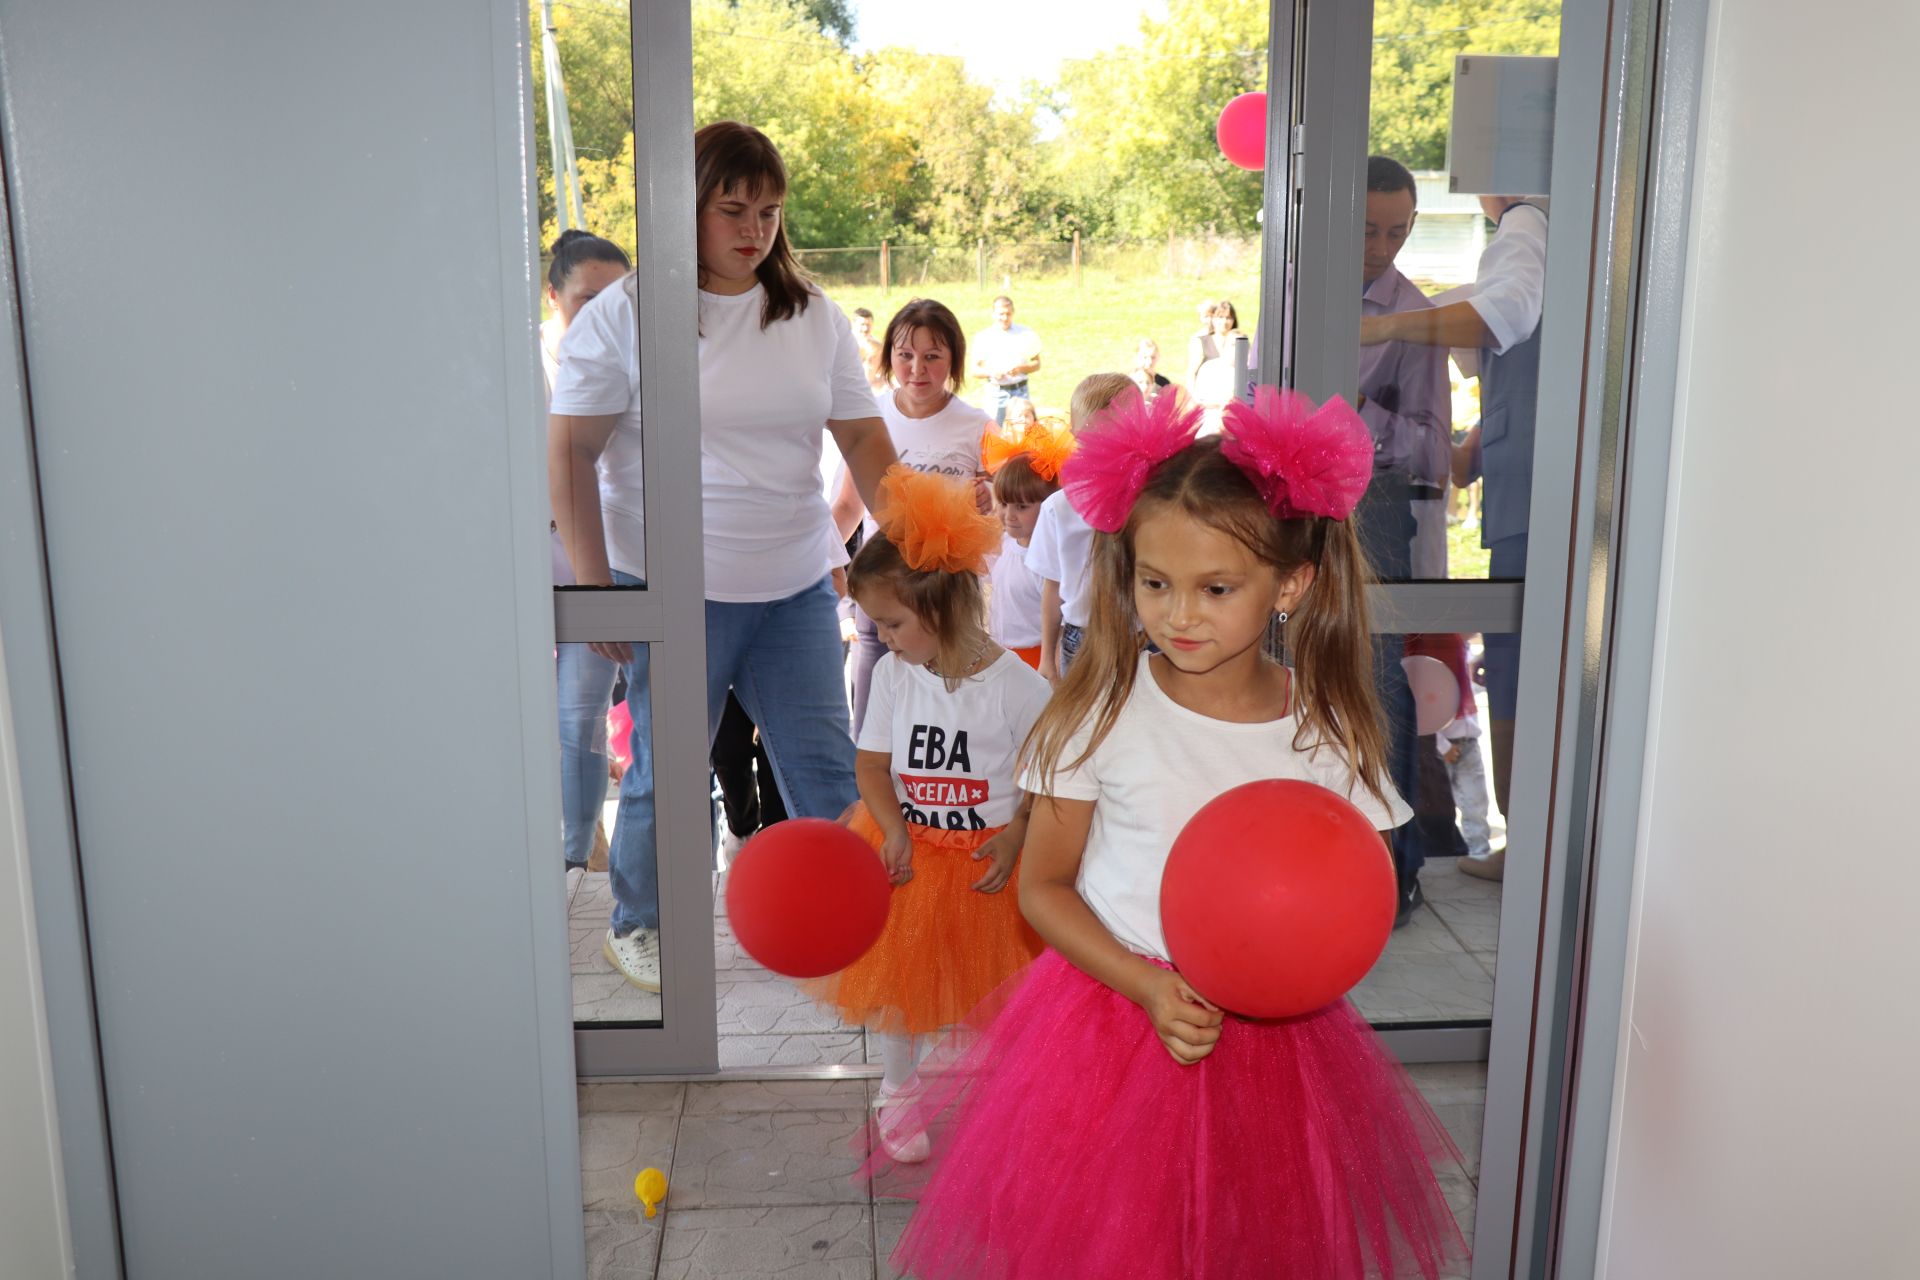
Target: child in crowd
1109, 1121
1026, 472
1021, 416
1459, 747
1062, 543
939, 799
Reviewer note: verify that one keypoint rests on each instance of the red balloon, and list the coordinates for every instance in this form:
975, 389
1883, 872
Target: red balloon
1436, 693
1242, 131
807, 897
1277, 897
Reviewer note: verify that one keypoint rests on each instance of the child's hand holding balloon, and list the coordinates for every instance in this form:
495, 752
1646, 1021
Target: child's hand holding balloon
1187, 1025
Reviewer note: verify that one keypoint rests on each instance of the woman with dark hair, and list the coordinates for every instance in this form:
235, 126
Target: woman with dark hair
1210, 360
582, 266
922, 356
778, 366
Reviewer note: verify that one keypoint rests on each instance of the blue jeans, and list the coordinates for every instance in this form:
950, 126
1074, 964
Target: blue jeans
783, 661
1071, 638
1013, 391
1501, 661
584, 682
633, 860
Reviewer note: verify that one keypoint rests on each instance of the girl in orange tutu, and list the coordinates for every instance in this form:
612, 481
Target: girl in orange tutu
1025, 471
937, 760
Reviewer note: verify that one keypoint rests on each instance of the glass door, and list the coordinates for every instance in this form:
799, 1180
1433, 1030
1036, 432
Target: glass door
1414, 160
630, 665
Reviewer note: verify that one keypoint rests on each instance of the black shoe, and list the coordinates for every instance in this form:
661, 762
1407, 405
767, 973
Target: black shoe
1411, 899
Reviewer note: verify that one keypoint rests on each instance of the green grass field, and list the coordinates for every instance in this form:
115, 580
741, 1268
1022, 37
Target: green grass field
1091, 329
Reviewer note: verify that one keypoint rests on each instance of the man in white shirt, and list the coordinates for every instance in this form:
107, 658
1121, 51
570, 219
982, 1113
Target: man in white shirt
1502, 318
1004, 354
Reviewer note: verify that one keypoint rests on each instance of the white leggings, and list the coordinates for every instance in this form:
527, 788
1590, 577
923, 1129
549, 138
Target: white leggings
899, 1055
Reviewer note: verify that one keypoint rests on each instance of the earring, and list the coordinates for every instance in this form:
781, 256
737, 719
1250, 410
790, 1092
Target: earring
1283, 618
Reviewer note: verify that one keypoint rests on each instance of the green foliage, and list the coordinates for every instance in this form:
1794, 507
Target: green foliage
901, 145
1137, 154
1414, 44
767, 63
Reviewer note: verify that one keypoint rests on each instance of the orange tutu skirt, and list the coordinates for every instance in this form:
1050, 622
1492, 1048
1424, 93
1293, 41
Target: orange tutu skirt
946, 945
1029, 656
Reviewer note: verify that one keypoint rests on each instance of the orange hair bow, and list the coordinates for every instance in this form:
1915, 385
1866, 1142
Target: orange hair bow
1047, 444
935, 522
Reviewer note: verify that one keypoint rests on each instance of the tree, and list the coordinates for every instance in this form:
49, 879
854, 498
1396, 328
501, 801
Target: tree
961, 183
766, 63
1137, 154
1414, 45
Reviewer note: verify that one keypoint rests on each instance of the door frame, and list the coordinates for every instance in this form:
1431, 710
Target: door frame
669, 615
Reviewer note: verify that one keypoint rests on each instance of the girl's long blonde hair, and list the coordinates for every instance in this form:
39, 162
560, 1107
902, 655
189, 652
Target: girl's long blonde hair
1329, 635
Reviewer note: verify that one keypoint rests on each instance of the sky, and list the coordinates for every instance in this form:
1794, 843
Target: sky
1004, 41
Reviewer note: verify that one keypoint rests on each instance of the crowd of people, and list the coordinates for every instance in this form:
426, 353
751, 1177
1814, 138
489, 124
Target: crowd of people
1061, 637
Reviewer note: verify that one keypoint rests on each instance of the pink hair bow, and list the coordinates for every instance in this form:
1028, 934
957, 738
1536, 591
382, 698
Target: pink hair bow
1119, 450
1305, 461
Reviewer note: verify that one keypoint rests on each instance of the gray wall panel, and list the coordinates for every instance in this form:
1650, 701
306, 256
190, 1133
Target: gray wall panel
278, 299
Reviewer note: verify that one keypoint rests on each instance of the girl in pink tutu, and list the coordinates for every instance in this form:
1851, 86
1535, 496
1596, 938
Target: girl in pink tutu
1109, 1121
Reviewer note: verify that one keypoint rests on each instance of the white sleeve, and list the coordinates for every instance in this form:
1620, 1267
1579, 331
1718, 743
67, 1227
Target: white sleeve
1030, 695
1510, 287
1327, 765
595, 357
876, 731
1080, 782
852, 394
1043, 549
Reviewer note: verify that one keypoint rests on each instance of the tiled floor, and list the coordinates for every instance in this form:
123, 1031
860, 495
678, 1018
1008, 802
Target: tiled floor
762, 1177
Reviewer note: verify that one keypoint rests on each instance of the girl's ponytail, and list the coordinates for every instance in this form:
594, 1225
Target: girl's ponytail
1331, 639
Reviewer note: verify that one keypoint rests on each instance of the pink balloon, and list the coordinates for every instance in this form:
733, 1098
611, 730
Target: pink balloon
1242, 131
620, 736
1436, 694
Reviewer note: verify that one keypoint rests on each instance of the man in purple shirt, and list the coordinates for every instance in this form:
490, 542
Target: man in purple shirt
1406, 401
1405, 395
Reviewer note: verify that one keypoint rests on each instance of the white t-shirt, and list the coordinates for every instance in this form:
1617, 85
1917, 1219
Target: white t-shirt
1509, 289
994, 349
948, 443
954, 754
1013, 599
1062, 550
550, 335
1160, 763
765, 399
599, 374
832, 467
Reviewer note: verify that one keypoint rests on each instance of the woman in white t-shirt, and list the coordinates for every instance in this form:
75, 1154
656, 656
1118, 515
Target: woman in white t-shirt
932, 429
778, 366
582, 266
1210, 360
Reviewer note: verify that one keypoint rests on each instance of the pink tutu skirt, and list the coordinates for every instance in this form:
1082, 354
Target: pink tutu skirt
1069, 1143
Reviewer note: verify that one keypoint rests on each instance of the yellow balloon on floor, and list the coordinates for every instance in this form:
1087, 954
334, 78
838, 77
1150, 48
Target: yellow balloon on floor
650, 1188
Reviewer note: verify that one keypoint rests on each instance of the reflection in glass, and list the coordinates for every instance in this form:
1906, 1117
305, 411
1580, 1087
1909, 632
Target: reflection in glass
1453, 283
590, 436
613, 893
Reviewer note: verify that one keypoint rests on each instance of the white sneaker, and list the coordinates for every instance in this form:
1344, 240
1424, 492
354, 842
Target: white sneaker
636, 956
730, 846
904, 1148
